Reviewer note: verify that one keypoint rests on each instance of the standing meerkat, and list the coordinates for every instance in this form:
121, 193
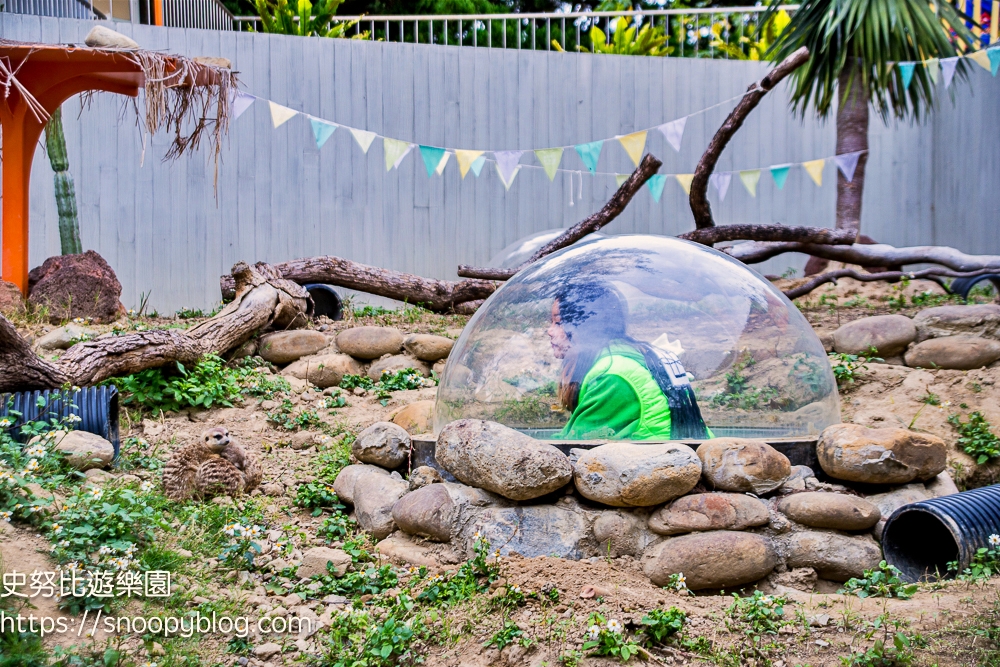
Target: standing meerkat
212, 466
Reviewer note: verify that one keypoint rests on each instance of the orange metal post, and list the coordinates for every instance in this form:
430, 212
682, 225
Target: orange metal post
158, 12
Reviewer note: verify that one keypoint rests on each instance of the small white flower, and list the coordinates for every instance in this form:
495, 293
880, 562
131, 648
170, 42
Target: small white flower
36, 451
105, 550
56, 528
95, 493
615, 626
146, 486
5, 422
63, 544
995, 540
681, 581
73, 419
78, 320
73, 565
5, 516
32, 465
593, 632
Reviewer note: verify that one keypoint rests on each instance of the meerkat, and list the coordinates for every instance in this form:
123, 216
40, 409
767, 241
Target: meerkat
212, 466
246, 463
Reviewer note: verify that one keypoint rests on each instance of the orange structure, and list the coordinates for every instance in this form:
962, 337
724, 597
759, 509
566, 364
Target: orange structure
39, 79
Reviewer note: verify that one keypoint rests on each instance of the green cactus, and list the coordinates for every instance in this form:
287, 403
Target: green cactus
69, 224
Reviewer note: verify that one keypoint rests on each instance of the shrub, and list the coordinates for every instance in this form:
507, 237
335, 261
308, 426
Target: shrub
660, 625
976, 437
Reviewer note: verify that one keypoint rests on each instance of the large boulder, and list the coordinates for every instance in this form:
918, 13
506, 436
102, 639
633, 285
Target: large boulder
399, 362
621, 533
284, 347
72, 286
743, 466
416, 417
981, 320
374, 498
427, 347
315, 561
11, 299
348, 477
709, 511
491, 456
561, 531
834, 556
84, 450
370, 342
627, 475
427, 512
830, 510
888, 334
713, 560
325, 370
382, 444
857, 453
889, 501
960, 353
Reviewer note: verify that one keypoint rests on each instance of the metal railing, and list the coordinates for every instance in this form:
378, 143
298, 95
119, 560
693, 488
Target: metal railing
76, 9
712, 32
208, 14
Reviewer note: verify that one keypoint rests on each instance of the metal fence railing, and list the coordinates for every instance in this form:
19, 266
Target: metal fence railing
76, 9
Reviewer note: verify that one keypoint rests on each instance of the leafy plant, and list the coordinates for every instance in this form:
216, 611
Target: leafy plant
243, 551
891, 647
755, 49
336, 527
880, 582
627, 41
390, 381
285, 416
608, 638
474, 576
847, 367
762, 614
505, 636
316, 496
659, 624
976, 437
303, 18
985, 562
205, 384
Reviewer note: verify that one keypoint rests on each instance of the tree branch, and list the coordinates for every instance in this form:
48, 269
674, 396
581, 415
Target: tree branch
878, 254
646, 169
755, 93
711, 235
833, 276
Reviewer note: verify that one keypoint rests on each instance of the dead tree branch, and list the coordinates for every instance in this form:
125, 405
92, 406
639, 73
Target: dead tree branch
833, 276
711, 235
755, 93
878, 254
611, 210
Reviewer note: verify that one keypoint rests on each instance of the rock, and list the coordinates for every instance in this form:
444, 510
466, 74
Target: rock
400, 548
709, 511
302, 440
285, 347
374, 497
274, 489
438, 368
559, 531
265, 651
247, 349
833, 556
383, 444
942, 485
62, 338
85, 450
72, 286
621, 534
890, 501
830, 510
981, 320
296, 385
954, 352
427, 512
100, 37
314, 562
324, 371
399, 362
214, 61
717, 559
422, 476
98, 476
11, 299
348, 477
427, 347
801, 579
491, 456
889, 334
797, 479
879, 455
416, 417
734, 464
370, 342
627, 475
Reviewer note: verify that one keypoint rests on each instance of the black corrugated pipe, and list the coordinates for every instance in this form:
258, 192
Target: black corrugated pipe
922, 538
97, 408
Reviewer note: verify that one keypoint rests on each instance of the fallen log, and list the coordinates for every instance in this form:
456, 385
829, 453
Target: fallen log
833, 276
879, 254
262, 299
712, 235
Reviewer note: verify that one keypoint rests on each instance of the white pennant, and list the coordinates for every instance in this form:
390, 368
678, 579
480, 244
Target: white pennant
674, 132
507, 165
363, 137
241, 103
847, 163
948, 66
721, 183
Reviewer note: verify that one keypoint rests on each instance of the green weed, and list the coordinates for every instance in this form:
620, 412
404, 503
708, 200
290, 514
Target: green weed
880, 582
659, 625
976, 437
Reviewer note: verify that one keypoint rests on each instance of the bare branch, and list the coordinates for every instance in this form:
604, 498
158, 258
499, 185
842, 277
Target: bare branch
833, 276
878, 254
711, 235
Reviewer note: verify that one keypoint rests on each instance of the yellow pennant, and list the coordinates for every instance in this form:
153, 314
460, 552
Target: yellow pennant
634, 144
280, 114
395, 150
442, 164
815, 170
685, 181
550, 158
750, 177
621, 178
932, 66
465, 160
982, 58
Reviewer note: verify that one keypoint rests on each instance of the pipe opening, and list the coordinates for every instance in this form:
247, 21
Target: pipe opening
919, 544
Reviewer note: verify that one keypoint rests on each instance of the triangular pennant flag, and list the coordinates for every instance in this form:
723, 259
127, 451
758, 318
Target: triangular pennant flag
280, 114
621, 178
982, 58
477, 165
590, 153
432, 156
241, 102
465, 160
685, 181
507, 165
655, 185
779, 173
847, 163
948, 66
322, 130
442, 164
906, 71
363, 137
932, 66
395, 151
721, 183
750, 178
674, 131
634, 144
815, 170
507, 183
550, 159
994, 56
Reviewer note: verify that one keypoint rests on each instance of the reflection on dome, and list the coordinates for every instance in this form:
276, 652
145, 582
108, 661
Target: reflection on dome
640, 338
520, 251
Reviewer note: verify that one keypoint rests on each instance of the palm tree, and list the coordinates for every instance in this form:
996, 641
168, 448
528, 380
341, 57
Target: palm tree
853, 45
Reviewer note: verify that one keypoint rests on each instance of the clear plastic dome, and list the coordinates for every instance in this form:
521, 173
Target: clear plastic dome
520, 251
640, 337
